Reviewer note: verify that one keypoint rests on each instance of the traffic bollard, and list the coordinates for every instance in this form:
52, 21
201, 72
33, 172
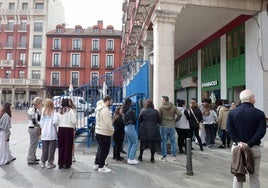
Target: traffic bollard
189, 166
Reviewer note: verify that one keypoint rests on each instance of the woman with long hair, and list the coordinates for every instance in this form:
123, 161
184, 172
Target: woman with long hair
119, 133
195, 117
48, 134
149, 130
67, 124
5, 125
129, 118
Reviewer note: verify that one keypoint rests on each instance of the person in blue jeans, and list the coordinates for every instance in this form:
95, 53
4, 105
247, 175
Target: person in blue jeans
129, 118
169, 115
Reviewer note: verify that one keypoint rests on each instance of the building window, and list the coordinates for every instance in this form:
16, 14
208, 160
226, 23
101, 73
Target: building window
56, 59
1, 5
59, 30
11, 6
23, 25
56, 44
96, 30
95, 45
109, 61
36, 74
10, 25
9, 41
95, 61
210, 55
110, 30
109, 78
36, 59
37, 43
187, 67
21, 74
9, 56
22, 59
75, 60
38, 26
236, 42
55, 79
77, 44
22, 43
39, 6
8, 74
110, 45
94, 78
78, 30
74, 77
24, 6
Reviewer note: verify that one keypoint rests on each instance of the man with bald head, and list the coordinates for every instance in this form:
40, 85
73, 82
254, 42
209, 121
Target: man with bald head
246, 126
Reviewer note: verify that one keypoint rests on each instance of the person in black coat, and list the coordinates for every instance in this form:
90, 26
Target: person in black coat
119, 134
195, 117
149, 131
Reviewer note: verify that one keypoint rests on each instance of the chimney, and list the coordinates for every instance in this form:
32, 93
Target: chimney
100, 24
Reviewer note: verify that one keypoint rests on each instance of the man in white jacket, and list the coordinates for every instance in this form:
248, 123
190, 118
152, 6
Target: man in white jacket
104, 130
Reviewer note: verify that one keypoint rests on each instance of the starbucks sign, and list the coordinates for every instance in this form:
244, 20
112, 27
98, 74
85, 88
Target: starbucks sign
209, 84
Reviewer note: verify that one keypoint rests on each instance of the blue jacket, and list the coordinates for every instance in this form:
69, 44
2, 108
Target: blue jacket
246, 124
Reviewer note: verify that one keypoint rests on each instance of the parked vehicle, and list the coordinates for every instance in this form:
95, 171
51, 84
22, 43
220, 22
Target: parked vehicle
80, 103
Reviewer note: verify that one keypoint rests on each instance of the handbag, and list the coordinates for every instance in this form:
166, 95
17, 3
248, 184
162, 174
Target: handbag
200, 124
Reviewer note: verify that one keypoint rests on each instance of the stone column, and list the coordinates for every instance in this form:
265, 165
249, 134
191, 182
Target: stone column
148, 47
13, 102
164, 28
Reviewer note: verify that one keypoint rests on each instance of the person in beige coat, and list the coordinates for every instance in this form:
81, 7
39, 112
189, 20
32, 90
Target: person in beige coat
223, 113
104, 130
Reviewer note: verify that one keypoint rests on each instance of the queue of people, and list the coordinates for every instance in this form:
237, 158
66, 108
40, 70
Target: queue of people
155, 128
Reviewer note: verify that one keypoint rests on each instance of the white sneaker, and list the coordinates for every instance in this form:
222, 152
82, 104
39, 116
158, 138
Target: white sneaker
104, 170
132, 162
51, 165
95, 166
174, 158
42, 165
73, 158
163, 159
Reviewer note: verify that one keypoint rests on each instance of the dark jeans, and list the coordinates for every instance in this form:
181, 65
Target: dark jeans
118, 139
225, 137
195, 131
183, 134
103, 149
210, 133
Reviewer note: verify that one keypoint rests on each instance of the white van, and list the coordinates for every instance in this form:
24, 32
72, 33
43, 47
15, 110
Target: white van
79, 102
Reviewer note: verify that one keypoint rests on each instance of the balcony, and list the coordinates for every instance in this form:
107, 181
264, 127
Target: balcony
21, 82
95, 49
6, 63
94, 66
110, 50
8, 45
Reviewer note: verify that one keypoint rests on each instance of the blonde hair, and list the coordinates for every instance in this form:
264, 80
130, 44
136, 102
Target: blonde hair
49, 107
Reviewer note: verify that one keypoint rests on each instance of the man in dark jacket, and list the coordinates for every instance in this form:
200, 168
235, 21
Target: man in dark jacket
169, 115
246, 126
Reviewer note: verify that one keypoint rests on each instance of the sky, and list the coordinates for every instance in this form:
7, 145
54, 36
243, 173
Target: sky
87, 13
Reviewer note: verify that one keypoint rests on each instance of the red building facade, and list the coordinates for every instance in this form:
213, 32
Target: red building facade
76, 56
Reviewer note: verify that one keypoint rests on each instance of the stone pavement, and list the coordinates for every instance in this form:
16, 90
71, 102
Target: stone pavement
211, 168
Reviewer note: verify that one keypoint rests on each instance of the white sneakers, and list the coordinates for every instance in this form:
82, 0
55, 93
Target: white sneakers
132, 162
163, 159
95, 166
42, 165
51, 165
104, 169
